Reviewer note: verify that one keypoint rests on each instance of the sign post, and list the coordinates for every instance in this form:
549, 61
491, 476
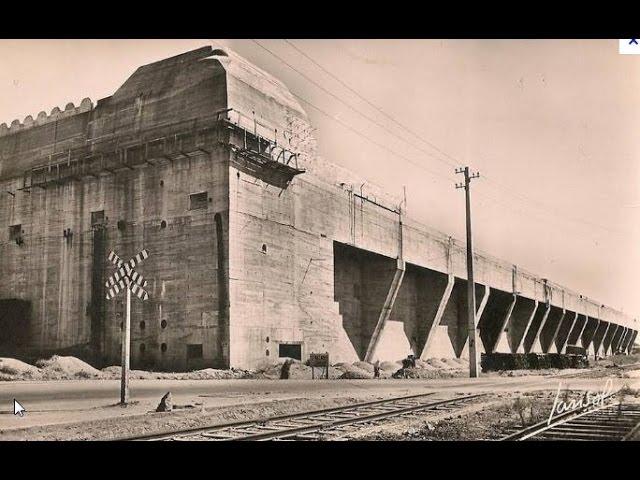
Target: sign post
320, 360
126, 278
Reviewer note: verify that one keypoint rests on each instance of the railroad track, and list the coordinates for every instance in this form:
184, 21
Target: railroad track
318, 424
611, 421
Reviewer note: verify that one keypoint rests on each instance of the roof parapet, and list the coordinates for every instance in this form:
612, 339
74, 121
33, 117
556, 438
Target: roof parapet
56, 114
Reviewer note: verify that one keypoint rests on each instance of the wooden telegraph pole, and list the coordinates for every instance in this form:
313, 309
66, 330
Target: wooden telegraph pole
471, 290
126, 278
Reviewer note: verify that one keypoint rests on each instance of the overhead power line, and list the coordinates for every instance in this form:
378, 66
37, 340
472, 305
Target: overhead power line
349, 106
497, 185
368, 138
453, 162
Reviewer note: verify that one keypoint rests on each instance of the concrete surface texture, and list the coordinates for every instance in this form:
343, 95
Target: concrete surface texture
259, 248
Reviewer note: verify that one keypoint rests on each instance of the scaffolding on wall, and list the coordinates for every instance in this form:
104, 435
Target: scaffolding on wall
254, 153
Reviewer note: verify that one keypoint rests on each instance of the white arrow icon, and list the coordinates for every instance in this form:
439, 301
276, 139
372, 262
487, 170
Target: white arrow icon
17, 408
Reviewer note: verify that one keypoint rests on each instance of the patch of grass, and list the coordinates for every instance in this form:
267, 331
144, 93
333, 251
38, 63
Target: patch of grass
627, 391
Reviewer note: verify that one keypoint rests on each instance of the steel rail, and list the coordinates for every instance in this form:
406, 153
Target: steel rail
159, 435
293, 432
307, 422
593, 423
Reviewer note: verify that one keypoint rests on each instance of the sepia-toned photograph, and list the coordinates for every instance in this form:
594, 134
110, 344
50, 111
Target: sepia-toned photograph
319, 240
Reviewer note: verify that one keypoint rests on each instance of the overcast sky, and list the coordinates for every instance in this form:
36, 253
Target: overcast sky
550, 125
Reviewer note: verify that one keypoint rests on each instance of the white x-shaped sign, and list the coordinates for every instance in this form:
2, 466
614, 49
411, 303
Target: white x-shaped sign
126, 277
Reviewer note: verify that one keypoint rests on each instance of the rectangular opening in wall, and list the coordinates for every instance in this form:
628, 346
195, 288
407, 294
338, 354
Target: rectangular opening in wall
194, 351
198, 200
290, 350
15, 318
97, 218
15, 233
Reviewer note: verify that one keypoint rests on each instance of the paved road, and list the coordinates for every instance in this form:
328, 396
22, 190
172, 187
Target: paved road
68, 401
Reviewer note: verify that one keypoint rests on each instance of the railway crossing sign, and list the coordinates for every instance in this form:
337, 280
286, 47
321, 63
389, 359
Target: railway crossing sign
128, 279
126, 276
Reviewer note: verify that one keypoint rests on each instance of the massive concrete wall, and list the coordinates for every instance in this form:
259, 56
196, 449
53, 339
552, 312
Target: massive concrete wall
285, 257
125, 208
307, 275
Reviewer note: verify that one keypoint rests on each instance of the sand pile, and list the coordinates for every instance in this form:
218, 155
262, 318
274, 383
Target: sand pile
390, 366
12, 369
115, 371
438, 364
353, 372
364, 366
111, 372
453, 363
424, 365
58, 367
298, 370
72, 368
433, 368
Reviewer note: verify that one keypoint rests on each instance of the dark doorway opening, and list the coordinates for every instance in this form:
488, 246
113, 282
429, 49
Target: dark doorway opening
290, 350
194, 356
15, 316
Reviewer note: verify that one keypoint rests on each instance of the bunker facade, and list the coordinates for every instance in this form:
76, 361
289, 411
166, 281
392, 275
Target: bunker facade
259, 249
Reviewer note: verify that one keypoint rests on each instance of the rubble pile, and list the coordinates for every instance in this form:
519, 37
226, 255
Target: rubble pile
72, 368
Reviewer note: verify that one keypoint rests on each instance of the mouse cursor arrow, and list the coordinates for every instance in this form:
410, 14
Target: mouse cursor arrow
17, 408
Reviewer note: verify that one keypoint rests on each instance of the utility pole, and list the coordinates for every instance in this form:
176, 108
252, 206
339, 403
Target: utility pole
471, 291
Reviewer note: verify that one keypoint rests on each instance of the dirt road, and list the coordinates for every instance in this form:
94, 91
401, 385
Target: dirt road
62, 402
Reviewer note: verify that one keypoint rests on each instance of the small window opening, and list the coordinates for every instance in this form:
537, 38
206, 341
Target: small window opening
97, 218
264, 248
163, 224
122, 225
142, 325
15, 234
198, 200
163, 347
143, 347
163, 324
